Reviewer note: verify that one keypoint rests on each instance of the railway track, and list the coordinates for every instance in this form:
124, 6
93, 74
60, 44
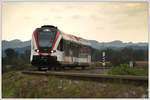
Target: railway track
92, 77
76, 69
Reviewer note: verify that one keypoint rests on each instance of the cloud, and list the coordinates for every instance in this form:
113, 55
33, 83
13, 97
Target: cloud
128, 8
99, 28
76, 16
27, 18
100, 21
55, 10
59, 17
45, 19
95, 17
73, 7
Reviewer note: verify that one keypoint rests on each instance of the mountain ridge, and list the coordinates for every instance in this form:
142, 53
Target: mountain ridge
95, 44
22, 46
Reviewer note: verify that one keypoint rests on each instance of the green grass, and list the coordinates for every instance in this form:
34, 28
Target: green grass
10, 68
38, 87
124, 69
18, 85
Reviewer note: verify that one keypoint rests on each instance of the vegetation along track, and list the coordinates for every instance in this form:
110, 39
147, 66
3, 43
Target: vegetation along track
93, 77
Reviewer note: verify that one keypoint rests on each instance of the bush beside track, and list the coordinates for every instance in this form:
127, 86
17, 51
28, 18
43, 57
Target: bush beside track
124, 69
17, 85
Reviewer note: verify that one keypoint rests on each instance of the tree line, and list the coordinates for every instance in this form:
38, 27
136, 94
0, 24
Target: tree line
14, 57
116, 57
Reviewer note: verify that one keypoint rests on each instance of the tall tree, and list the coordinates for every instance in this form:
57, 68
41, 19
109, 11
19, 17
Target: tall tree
11, 53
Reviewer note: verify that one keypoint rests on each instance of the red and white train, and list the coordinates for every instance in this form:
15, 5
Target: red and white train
51, 47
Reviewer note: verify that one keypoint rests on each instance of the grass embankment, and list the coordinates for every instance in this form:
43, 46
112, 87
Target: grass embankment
9, 68
141, 64
18, 85
124, 69
99, 64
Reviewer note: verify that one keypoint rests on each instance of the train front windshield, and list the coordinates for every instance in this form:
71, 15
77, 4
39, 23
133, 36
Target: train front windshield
46, 39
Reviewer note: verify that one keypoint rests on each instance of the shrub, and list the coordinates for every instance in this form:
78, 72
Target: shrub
121, 58
99, 64
95, 64
124, 69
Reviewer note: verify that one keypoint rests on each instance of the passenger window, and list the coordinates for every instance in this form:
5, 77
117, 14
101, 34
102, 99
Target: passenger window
60, 46
66, 47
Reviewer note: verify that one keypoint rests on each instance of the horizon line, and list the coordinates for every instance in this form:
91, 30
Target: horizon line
93, 40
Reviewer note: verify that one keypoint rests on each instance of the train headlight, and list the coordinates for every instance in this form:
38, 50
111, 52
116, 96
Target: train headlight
53, 51
36, 50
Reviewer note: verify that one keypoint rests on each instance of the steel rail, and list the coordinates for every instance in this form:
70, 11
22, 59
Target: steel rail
94, 77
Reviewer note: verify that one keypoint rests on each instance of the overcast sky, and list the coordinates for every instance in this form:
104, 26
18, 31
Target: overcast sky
101, 21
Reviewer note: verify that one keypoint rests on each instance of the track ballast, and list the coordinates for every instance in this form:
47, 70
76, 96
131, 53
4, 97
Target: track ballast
92, 77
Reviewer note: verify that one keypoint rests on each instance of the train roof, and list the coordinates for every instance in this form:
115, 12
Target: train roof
70, 37
75, 39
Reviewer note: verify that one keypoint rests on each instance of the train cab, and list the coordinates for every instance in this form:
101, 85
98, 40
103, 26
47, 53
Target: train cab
52, 47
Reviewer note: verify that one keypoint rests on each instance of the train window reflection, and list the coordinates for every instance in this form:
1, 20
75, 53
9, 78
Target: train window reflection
46, 39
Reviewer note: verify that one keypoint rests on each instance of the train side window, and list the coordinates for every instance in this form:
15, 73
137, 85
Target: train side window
71, 49
60, 46
66, 47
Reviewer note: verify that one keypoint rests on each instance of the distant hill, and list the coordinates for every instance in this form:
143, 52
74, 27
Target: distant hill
21, 46
118, 45
14, 44
17, 45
